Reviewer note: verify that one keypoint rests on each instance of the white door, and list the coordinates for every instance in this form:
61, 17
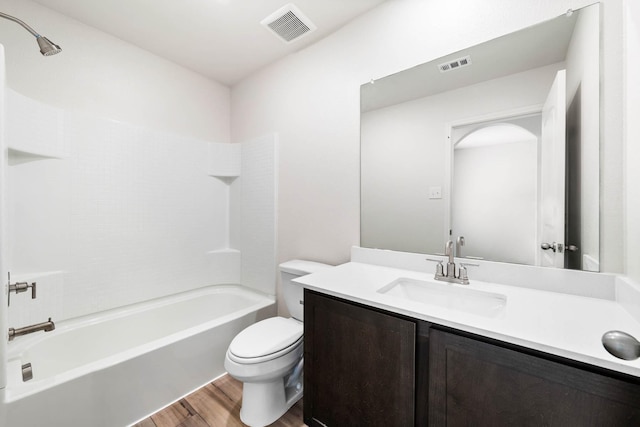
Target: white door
552, 175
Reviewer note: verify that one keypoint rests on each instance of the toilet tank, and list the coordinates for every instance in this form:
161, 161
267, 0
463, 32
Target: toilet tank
294, 293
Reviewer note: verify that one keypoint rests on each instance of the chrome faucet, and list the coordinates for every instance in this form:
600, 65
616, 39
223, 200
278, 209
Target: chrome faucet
450, 276
47, 326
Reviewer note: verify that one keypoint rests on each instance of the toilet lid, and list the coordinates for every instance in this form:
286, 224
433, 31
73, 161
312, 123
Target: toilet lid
266, 337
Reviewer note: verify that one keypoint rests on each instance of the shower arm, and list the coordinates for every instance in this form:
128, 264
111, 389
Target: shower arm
47, 47
18, 21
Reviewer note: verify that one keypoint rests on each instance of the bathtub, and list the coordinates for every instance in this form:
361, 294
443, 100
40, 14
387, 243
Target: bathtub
117, 367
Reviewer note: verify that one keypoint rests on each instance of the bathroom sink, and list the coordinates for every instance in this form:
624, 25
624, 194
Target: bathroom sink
445, 295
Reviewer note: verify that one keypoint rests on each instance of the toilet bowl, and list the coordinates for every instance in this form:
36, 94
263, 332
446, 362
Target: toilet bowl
267, 356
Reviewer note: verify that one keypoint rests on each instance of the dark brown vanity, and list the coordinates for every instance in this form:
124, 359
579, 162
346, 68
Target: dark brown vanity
368, 367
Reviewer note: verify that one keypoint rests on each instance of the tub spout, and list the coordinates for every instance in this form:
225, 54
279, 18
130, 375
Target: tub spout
44, 326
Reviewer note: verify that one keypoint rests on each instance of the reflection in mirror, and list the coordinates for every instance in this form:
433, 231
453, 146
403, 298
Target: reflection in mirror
502, 149
493, 166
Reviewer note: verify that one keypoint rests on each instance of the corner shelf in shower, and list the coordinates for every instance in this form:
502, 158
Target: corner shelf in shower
226, 178
224, 251
17, 157
224, 161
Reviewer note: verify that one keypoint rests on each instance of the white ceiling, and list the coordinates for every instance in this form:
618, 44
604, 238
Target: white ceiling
221, 39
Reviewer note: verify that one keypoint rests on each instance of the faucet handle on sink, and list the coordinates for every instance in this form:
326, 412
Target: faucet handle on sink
462, 272
439, 267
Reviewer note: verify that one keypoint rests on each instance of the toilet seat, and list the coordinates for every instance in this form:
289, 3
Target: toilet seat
266, 340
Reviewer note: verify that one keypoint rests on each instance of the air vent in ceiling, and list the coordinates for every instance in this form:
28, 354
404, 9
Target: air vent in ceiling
455, 64
288, 23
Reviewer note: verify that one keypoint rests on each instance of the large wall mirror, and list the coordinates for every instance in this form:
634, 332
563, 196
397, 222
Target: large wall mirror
495, 147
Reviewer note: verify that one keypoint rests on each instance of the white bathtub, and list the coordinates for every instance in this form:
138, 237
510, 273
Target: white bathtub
117, 367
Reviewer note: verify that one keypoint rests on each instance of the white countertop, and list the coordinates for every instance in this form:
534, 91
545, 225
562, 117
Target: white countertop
566, 325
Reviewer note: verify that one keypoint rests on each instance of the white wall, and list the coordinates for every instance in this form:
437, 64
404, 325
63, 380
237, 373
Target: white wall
102, 75
312, 99
403, 154
632, 136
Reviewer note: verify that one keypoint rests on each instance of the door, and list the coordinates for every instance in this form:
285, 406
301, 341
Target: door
552, 175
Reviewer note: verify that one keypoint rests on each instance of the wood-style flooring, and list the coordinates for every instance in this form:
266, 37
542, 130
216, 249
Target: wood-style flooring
215, 405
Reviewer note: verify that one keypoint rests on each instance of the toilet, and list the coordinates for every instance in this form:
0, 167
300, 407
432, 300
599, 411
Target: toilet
267, 356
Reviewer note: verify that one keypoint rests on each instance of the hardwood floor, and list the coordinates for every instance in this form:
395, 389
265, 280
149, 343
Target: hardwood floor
215, 405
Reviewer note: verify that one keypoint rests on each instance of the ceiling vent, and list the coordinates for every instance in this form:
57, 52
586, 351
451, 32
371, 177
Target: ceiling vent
455, 64
288, 23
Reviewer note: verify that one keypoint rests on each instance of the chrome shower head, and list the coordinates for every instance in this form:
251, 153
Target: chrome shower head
47, 47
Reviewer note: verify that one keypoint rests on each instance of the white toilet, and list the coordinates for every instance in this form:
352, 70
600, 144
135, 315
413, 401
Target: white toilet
267, 356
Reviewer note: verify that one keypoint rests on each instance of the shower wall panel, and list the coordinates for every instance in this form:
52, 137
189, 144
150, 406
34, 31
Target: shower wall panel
257, 216
103, 213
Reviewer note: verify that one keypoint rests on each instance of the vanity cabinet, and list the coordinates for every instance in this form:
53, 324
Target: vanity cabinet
368, 367
361, 365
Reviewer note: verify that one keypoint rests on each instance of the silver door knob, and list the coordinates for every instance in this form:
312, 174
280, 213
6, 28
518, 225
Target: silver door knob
555, 247
572, 248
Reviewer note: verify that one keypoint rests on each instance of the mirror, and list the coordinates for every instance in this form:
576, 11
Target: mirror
495, 147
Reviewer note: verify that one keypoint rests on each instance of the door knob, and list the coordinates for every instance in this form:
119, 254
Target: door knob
555, 247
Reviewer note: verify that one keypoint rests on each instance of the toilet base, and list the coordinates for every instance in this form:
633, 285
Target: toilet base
265, 402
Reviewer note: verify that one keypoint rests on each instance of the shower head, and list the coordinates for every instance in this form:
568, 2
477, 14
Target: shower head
47, 47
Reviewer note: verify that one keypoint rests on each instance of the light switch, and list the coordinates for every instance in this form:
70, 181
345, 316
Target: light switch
435, 192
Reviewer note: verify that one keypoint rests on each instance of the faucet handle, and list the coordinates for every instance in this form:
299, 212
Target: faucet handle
439, 267
439, 261
462, 272
20, 287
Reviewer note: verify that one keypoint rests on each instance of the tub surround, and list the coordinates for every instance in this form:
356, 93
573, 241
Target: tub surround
560, 312
192, 212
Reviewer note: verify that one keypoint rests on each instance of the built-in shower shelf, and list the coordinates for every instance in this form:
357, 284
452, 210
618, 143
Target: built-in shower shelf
224, 251
16, 157
224, 175
227, 179
224, 161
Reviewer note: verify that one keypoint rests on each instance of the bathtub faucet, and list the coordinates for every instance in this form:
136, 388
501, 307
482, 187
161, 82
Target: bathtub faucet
47, 326
20, 287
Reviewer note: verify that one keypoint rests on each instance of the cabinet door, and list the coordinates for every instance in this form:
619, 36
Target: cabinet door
359, 365
476, 383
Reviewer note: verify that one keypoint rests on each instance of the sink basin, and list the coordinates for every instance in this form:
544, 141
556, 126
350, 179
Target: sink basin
445, 295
